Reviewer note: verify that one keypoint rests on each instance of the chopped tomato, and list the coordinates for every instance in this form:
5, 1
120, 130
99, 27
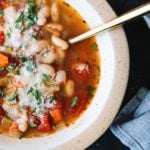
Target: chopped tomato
56, 115
45, 125
2, 113
80, 70
4, 4
1, 100
2, 38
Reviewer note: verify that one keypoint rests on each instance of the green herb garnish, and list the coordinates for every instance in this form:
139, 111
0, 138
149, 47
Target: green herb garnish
94, 46
32, 124
1, 93
20, 18
36, 94
46, 77
13, 97
29, 18
74, 101
30, 65
1, 13
91, 88
24, 59
51, 99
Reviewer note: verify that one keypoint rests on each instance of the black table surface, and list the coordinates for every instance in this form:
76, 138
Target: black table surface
138, 36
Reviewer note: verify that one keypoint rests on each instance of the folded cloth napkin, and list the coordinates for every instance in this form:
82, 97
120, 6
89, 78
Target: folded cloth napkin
132, 125
147, 20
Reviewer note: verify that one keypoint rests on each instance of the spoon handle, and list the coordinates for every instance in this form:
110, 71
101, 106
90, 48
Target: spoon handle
113, 23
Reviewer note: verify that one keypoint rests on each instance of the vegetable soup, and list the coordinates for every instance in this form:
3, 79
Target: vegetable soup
44, 81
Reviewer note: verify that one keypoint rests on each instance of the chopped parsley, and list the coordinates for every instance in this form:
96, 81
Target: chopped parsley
74, 101
91, 90
1, 93
13, 97
30, 65
51, 99
36, 94
1, 13
94, 46
32, 124
29, 18
29, 68
24, 59
46, 77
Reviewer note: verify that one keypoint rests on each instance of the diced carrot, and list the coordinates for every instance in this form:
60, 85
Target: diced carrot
3, 60
17, 84
56, 114
13, 127
13, 130
5, 4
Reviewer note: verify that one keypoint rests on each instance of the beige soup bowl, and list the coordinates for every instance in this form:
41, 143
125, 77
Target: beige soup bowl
114, 75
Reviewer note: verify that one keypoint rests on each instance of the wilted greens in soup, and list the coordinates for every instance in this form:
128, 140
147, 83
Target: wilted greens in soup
44, 82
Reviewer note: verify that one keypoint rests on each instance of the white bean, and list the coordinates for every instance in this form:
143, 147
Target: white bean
10, 14
60, 42
36, 47
54, 26
61, 76
60, 55
41, 21
22, 122
48, 57
46, 69
17, 115
55, 12
69, 88
44, 12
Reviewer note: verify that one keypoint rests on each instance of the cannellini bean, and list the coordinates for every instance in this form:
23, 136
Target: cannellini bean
41, 21
48, 57
46, 69
10, 14
36, 47
55, 26
42, 15
60, 42
55, 12
60, 55
61, 76
44, 12
3, 81
14, 113
69, 88
11, 110
22, 122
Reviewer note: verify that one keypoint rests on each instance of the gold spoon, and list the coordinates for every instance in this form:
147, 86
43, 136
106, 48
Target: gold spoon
113, 23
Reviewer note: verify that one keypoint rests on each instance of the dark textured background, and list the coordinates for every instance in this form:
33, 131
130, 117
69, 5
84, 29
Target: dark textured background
138, 36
